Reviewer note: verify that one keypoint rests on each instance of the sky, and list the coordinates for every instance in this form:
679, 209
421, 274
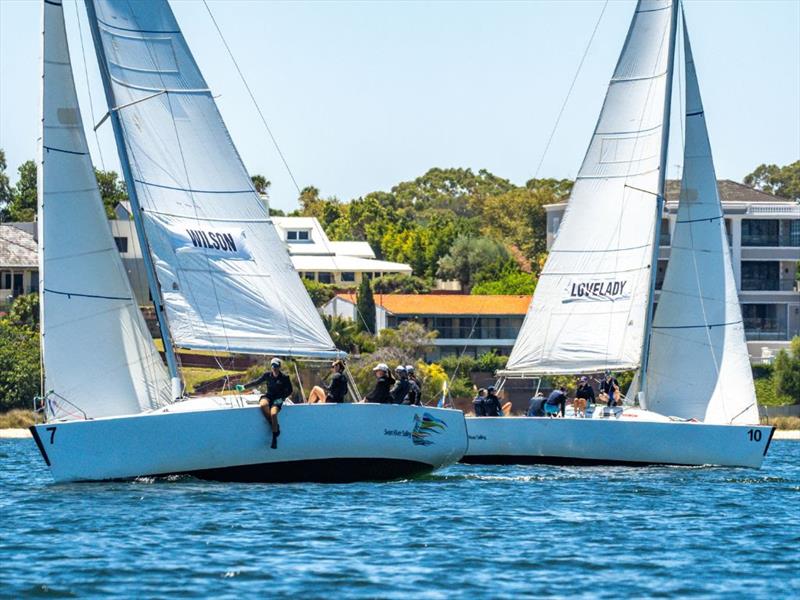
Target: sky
363, 95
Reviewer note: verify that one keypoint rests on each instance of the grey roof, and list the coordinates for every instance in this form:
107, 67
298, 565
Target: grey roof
18, 248
729, 191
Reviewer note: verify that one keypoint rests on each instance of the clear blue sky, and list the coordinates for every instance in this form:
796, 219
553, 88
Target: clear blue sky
363, 95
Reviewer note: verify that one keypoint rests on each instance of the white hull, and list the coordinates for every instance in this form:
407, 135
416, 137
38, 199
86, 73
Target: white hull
609, 441
321, 442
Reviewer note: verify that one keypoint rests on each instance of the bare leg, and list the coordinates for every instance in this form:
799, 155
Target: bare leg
317, 395
276, 430
263, 404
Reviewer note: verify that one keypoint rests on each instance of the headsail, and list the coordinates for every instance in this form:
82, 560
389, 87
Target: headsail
589, 310
97, 352
699, 365
225, 276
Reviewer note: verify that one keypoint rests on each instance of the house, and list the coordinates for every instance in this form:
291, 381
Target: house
466, 324
19, 261
316, 257
313, 255
764, 238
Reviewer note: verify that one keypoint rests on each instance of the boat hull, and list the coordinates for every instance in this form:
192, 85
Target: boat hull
577, 441
323, 443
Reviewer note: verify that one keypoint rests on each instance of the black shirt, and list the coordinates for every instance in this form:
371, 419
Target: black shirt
380, 393
278, 386
536, 408
399, 390
491, 405
585, 391
414, 396
607, 385
337, 389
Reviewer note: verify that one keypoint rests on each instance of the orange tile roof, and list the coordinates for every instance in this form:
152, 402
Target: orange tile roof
448, 304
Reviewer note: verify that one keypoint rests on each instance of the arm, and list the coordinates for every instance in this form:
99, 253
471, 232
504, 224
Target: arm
255, 382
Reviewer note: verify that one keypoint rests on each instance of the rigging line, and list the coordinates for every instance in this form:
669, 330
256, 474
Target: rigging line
252, 97
569, 91
88, 87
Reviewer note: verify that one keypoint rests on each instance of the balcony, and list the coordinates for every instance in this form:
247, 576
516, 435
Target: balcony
480, 333
779, 284
785, 240
765, 330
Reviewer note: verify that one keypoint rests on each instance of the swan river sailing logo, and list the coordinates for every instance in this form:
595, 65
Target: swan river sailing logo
424, 427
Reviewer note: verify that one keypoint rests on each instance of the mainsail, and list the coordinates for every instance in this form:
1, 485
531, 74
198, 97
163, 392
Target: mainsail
99, 359
699, 365
224, 275
589, 310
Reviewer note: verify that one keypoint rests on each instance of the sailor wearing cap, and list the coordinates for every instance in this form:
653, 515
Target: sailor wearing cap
335, 391
383, 385
491, 404
414, 396
279, 387
401, 386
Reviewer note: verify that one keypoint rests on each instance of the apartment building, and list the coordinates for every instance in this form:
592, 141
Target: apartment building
764, 237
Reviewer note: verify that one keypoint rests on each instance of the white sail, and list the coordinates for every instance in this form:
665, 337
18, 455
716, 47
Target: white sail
699, 366
589, 309
99, 359
225, 276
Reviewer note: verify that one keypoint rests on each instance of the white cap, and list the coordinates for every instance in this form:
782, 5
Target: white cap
400, 369
275, 362
410, 368
381, 367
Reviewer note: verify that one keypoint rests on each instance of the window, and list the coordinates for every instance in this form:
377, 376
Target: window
122, 244
664, 237
325, 277
348, 276
760, 232
662, 270
298, 235
34, 281
760, 275
309, 275
5, 280
764, 321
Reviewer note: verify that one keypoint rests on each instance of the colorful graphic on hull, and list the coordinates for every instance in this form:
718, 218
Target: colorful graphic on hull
425, 426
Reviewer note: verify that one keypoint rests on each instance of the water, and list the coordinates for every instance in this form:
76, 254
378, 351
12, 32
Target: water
467, 532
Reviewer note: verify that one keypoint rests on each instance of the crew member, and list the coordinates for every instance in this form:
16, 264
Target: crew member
478, 403
536, 407
383, 384
492, 403
335, 391
279, 387
415, 391
558, 398
610, 386
585, 391
401, 387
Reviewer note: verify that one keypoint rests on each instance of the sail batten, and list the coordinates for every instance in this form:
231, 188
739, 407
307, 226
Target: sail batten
699, 366
98, 356
223, 273
589, 310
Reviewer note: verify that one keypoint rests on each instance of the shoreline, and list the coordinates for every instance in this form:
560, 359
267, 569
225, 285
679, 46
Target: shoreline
780, 434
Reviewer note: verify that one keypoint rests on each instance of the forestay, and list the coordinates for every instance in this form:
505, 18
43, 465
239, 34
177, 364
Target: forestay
98, 356
225, 276
699, 366
589, 309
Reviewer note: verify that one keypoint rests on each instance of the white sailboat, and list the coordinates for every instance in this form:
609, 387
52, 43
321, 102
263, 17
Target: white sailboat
591, 309
219, 276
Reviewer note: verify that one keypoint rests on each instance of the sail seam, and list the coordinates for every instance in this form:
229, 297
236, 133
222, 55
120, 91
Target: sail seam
695, 113
48, 148
191, 190
645, 78
205, 218
701, 220
110, 26
161, 90
709, 325
601, 251
97, 296
52, 4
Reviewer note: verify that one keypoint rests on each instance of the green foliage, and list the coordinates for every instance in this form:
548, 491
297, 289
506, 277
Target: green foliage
780, 181
5, 187
401, 284
112, 190
488, 362
474, 260
321, 293
261, 183
365, 307
23, 202
786, 372
515, 283
344, 332
25, 311
19, 365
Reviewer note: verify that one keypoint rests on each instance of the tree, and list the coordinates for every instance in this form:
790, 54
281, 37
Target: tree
25, 311
5, 187
472, 260
511, 283
401, 284
343, 332
786, 371
365, 307
261, 183
112, 190
321, 293
19, 354
780, 181
23, 203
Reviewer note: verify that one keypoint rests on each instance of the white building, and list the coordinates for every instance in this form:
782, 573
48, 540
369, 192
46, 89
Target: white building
316, 257
764, 236
19, 261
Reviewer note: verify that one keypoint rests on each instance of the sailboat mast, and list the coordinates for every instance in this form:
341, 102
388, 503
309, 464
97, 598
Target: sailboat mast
152, 280
662, 172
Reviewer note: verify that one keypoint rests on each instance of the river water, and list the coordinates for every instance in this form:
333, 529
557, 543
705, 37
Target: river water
468, 531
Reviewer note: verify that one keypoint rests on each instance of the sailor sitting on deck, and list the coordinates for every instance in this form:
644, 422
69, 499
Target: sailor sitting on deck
556, 401
401, 386
610, 387
584, 397
380, 393
414, 396
279, 387
491, 403
478, 403
335, 391
536, 407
